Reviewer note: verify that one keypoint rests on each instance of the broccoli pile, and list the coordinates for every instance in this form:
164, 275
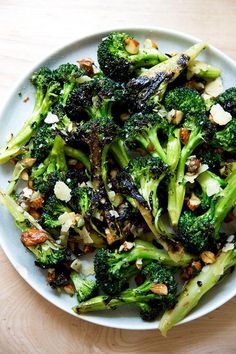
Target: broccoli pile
134, 163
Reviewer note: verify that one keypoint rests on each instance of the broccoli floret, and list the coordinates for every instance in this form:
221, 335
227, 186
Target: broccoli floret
117, 63
85, 288
184, 99
96, 98
146, 173
198, 233
228, 100
154, 274
194, 290
211, 157
114, 269
69, 75
52, 209
47, 91
226, 138
42, 142
210, 184
47, 252
144, 128
147, 90
55, 162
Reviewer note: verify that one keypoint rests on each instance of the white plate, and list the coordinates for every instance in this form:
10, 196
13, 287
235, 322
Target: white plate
13, 115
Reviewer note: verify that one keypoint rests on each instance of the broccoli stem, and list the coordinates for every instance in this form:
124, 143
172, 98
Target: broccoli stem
119, 151
78, 155
104, 302
177, 185
144, 57
173, 150
203, 70
41, 108
193, 291
225, 203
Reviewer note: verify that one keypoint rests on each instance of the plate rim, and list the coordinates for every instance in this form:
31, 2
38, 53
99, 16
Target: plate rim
36, 64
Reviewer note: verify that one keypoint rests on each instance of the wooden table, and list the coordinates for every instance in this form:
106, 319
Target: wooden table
29, 30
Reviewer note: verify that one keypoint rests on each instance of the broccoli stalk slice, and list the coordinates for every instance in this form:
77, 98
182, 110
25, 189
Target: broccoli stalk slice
85, 288
41, 108
173, 149
49, 253
78, 155
203, 70
148, 89
194, 290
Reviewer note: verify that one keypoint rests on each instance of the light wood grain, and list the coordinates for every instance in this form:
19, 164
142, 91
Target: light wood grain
29, 30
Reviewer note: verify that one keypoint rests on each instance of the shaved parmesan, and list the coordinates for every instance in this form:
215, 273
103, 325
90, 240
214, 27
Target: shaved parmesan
214, 88
219, 115
62, 191
51, 118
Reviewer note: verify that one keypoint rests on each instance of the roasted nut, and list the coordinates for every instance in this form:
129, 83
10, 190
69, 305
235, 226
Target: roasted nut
150, 148
30, 184
87, 65
184, 135
192, 270
132, 46
24, 176
51, 275
28, 161
208, 257
26, 99
69, 289
195, 85
88, 249
36, 215
36, 203
79, 166
160, 289
193, 164
149, 43
33, 237
177, 116
194, 202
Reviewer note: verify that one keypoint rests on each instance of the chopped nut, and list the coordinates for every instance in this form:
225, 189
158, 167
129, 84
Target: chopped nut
24, 176
160, 289
177, 116
88, 249
79, 166
193, 164
36, 200
30, 184
139, 264
194, 202
149, 43
28, 162
26, 99
208, 257
126, 246
192, 270
69, 289
195, 85
132, 46
33, 237
51, 275
184, 135
36, 215
150, 148
87, 65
